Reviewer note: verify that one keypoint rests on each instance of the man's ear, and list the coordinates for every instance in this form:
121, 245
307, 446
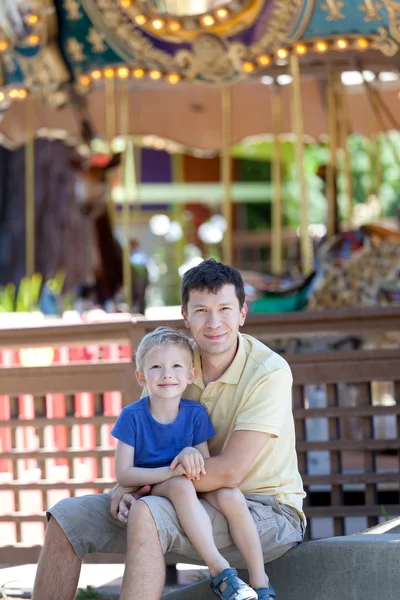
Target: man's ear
243, 313
185, 317
141, 378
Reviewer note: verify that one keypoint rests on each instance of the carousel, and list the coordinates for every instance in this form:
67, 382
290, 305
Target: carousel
112, 77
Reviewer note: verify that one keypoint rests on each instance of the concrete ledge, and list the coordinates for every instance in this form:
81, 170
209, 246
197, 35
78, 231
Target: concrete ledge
357, 567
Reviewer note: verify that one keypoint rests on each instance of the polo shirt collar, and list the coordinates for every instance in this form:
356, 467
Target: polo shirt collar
233, 372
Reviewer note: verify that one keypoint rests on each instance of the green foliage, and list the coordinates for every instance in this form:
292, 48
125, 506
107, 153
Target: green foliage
27, 297
87, 593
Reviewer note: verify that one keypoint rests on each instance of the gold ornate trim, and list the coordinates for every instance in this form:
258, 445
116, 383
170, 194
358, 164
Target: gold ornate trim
371, 8
333, 8
302, 25
185, 29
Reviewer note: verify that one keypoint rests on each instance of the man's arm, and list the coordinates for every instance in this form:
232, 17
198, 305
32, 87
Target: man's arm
231, 467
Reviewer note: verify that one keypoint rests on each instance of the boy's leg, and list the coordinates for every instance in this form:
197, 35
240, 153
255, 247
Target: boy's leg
194, 520
231, 503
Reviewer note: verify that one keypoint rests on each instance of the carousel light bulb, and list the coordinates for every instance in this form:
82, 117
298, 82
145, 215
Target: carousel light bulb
157, 24
321, 46
155, 74
138, 73
2, 96
109, 73
3, 45
174, 78
222, 13
95, 74
175, 232
159, 224
22, 94
282, 53
125, 3
33, 40
208, 20
140, 19
209, 233
174, 25
32, 19
123, 72
264, 60
13, 93
342, 44
84, 79
301, 49
362, 43
248, 67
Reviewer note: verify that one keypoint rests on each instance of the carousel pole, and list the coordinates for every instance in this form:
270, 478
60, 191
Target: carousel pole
333, 209
226, 171
30, 188
276, 259
343, 114
305, 242
126, 174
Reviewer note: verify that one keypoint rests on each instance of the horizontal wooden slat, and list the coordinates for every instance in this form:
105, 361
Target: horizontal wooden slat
345, 367
69, 484
348, 445
42, 453
348, 321
68, 379
67, 421
23, 517
368, 510
350, 478
346, 412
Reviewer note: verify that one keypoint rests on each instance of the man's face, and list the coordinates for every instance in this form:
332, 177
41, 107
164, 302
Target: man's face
214, 319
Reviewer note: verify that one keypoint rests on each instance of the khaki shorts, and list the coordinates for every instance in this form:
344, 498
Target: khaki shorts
90, 528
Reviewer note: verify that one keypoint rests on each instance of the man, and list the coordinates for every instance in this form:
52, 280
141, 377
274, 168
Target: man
246, 389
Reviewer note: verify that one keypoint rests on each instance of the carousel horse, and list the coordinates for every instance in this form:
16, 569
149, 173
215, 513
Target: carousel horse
91, 194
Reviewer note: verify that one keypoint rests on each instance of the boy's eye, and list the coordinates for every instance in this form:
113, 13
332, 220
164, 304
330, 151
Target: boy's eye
177, 365
155, 367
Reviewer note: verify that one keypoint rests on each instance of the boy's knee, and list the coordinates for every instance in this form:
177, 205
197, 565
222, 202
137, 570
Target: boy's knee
180, 486
230, 497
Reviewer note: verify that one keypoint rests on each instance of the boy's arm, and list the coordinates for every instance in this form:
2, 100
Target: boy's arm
128, 475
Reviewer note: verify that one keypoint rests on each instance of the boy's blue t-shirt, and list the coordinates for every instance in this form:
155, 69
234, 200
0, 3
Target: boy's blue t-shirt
156, 444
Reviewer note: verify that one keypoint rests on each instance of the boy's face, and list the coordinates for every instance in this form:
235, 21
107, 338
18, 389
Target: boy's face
167, 371
214, 319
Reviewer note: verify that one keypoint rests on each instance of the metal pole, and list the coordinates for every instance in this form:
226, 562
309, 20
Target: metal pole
298, 127
226, 171
331, 187
30, 188
276, 251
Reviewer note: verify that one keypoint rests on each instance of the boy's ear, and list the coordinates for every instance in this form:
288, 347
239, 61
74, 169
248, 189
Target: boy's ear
192, 375
141, 378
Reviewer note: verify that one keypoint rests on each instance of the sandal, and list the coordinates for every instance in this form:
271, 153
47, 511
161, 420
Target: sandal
265, 593
236, 589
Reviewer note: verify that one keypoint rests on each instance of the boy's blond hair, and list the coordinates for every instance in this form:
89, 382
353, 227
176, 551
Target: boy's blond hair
159, 338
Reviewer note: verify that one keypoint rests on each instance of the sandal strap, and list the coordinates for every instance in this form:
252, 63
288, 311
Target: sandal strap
265, 593
223, 576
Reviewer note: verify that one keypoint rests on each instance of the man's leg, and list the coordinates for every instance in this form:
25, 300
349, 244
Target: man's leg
58, 568
144, 575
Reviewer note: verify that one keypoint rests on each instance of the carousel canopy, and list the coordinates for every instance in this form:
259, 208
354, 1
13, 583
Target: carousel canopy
58, 51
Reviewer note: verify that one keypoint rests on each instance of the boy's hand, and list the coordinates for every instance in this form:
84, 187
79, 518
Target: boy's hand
178, 471
192, 461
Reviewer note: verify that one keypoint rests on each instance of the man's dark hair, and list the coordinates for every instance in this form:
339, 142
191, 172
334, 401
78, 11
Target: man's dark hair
211, 275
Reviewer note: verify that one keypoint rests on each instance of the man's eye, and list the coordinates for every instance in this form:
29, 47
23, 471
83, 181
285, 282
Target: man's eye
226, 308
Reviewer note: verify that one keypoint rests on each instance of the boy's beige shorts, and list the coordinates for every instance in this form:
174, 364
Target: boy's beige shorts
90, 528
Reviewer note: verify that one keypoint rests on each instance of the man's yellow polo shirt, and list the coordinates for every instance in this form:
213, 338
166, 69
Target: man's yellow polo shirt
255, 394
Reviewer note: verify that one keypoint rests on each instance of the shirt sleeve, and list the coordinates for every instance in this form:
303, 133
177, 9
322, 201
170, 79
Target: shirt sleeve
203, 429
267, 404
124, 429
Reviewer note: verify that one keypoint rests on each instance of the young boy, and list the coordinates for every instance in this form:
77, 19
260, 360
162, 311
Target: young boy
153, 431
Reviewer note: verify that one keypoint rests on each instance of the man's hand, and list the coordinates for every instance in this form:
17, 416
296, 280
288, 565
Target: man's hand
121, 500
192, 461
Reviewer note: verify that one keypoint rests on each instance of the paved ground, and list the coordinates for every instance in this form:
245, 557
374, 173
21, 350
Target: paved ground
18, 581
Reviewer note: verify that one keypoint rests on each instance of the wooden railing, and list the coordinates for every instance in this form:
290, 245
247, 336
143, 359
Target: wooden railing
55, 429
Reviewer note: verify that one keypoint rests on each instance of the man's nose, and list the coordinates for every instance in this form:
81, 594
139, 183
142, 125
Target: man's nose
213, 320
